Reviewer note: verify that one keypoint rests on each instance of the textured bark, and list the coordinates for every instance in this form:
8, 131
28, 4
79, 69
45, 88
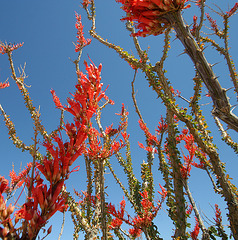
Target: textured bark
222, 107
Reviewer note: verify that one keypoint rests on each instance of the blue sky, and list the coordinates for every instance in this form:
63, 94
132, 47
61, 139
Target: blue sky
47, 30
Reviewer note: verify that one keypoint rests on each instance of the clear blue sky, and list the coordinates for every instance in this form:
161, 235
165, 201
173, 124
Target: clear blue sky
47, 30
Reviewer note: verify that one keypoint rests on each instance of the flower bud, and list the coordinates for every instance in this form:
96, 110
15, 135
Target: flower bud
4, 214
49, 230
10, 209
4, 232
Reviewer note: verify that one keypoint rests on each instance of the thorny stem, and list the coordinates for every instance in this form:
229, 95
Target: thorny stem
205, 235
230, 64
88, 162
134, 98
216, 189
32, 174
12, 132
101, 164
126, 164
119, 182
102, 199
221, 110
75, 211
202, 5
222, 107
140, 52
226, 137
28, 101
150, 156
98, 212
76, 61
180, 215
33, 163
62, 226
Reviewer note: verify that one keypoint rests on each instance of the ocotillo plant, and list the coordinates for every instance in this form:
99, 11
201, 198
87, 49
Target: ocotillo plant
182, 140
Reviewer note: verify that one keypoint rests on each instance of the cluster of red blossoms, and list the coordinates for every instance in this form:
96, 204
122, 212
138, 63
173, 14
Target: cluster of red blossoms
46, 199
81, 42
143, 219
149, 15
4, 85
192, 149
5, 48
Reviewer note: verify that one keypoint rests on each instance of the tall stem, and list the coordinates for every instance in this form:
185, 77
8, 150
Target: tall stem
222, 107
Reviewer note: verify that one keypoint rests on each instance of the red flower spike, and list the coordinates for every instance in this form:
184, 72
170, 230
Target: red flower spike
163, 193
162, 126
63, 156
213, 23
89, 93
85, 3
218, 218
195, 232
117, 222
81, 42
195, 25
189, 210
135, 232
56, 100
20, 179
233, 10
192, 149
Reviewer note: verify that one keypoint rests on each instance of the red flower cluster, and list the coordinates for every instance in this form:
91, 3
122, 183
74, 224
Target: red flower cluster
83, 106
46, 199
195, 232
189, 159
81, 42
86, 99
142, 219
233, 10
117, 222
4, 85
85, 3
42, 205
213, 23
150, 14
5, 211
97, 150
63, 156
152, 140
218, 218
17, 181
5, 48
195, 24
189, 210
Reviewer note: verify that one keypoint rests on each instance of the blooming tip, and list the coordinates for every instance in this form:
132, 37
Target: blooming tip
4, 85
56, 100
